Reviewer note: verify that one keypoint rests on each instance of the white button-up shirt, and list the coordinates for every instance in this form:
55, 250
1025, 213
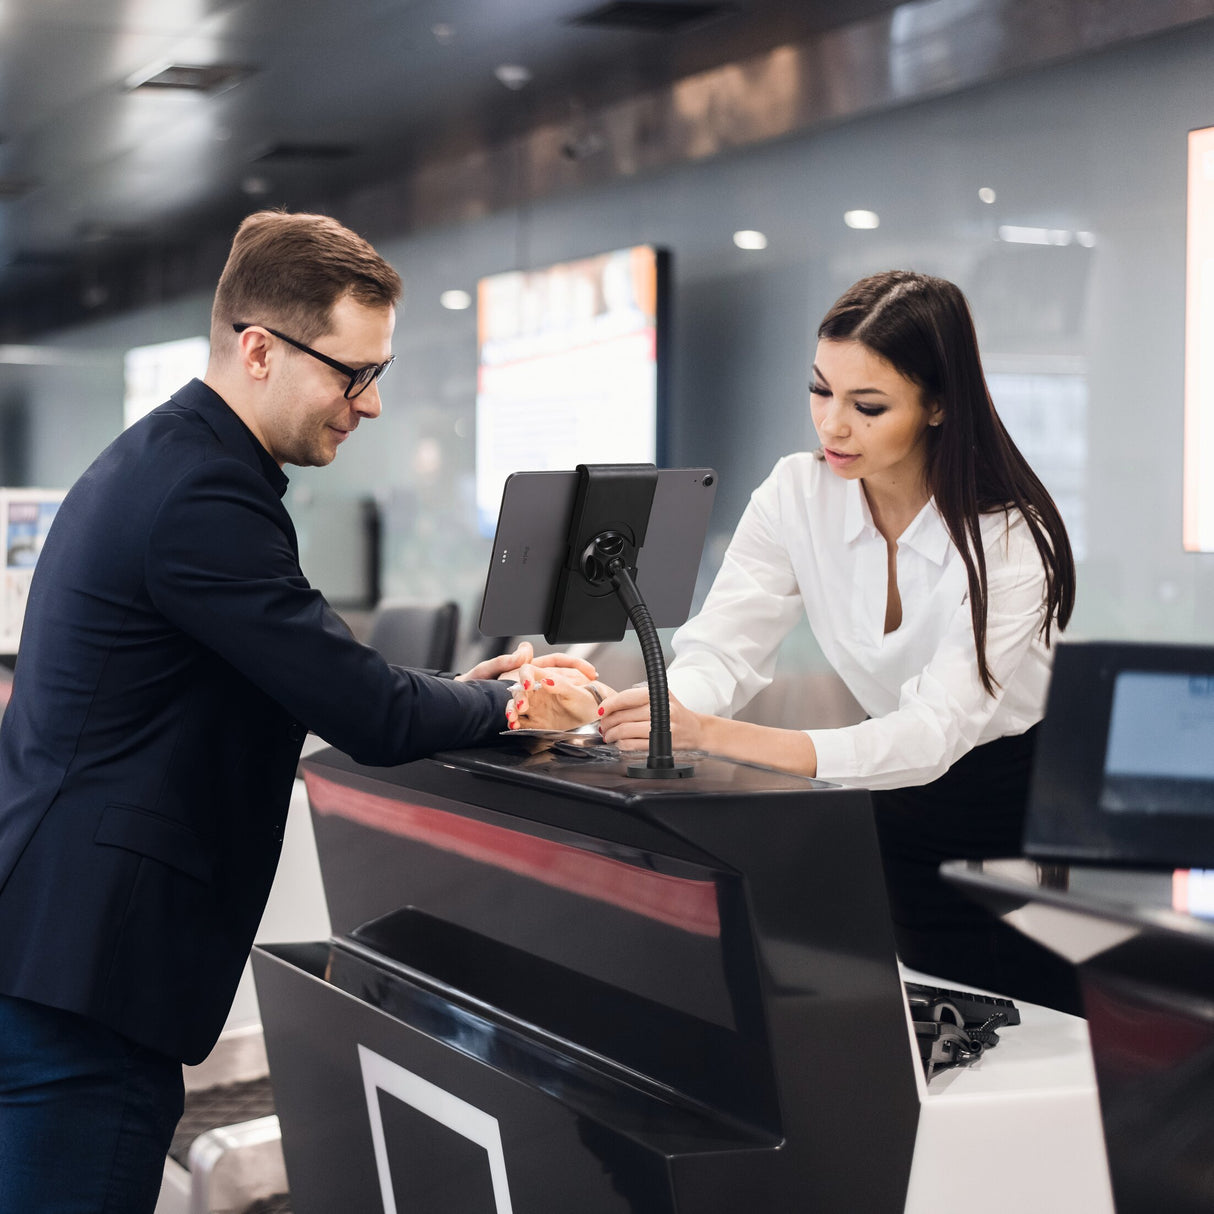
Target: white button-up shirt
807, 542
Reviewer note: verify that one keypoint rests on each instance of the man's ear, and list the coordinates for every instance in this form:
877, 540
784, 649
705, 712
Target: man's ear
253, 352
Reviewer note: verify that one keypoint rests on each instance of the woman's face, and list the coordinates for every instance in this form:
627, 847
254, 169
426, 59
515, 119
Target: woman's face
871, 420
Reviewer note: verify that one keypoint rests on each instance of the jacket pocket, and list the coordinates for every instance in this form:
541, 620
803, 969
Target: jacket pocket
155, 836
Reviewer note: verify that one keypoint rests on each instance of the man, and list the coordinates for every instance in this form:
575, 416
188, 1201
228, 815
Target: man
173, 658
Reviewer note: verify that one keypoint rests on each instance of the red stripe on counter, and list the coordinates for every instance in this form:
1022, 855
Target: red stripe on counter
678, 901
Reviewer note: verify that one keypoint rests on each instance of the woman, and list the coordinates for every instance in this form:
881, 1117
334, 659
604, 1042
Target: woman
933, 567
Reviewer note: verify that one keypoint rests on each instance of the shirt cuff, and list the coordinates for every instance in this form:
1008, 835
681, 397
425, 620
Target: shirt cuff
695, 691
836, 752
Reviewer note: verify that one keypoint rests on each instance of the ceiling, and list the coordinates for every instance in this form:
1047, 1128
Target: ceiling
326, 97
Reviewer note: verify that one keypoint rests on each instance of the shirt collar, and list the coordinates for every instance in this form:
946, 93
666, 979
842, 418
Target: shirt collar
926, 534
857, 518
231, 431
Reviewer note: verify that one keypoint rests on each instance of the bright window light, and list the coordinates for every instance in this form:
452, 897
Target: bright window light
1199, 347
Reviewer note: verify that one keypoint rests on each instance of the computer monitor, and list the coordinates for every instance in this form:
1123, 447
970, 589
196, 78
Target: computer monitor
1124, 769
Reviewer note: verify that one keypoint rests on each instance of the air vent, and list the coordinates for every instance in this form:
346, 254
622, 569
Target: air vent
280, 153
657, 17
190, 78
38, 259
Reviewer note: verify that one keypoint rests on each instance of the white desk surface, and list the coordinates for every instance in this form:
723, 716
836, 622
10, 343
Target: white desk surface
1019, 1130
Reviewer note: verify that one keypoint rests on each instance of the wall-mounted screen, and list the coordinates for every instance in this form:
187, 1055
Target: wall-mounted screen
571, 368
1199, 348
153, 373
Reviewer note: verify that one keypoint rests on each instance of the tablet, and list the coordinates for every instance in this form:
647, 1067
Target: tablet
532, 541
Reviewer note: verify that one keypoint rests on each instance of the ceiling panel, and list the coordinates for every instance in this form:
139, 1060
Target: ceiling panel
402, 82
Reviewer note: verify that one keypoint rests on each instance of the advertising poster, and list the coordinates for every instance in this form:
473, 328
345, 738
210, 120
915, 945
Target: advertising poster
25, 516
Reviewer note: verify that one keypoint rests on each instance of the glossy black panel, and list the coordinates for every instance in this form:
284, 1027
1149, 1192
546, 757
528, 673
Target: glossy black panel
1147, 974
677, 967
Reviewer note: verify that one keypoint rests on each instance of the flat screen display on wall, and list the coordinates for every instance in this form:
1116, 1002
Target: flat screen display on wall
153, 373
571, 368
1199, 348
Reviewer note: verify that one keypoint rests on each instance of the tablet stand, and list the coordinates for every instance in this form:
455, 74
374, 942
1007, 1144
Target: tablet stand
595, 593
660, 765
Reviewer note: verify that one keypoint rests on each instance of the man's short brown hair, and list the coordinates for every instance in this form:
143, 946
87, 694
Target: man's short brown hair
288, 270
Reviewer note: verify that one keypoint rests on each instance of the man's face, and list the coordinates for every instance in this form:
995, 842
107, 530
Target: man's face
305, 417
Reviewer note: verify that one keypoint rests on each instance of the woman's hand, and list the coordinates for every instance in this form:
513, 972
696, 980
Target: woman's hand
507, 665
553, 699
625, 722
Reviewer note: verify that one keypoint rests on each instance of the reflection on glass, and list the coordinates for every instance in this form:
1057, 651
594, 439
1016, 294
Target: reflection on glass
1044, 405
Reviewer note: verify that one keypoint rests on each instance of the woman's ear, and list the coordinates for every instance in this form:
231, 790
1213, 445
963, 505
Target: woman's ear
935, 413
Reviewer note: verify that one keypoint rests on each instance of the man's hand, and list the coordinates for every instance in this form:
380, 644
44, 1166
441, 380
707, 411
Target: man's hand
508, 665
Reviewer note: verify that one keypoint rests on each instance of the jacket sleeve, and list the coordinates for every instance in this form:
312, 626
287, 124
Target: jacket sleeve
221, 566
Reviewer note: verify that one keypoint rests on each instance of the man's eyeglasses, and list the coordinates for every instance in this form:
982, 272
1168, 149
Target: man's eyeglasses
361, 378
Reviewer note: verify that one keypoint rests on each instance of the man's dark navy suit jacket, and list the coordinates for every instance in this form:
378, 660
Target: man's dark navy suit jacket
172, 657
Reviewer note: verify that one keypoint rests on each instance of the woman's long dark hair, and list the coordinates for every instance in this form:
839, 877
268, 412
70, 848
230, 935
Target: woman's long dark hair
923, 328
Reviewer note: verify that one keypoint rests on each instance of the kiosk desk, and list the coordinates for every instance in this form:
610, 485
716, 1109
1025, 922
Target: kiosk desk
1147, 975
551, 987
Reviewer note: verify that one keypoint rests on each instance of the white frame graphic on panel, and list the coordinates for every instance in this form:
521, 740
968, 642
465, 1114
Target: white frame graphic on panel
381, 1075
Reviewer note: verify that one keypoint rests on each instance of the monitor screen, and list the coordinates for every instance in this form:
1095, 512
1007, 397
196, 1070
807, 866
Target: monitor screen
1159, 758
570, 368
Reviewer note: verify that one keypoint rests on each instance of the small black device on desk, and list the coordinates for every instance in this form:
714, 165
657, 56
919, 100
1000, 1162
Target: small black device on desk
955, 1028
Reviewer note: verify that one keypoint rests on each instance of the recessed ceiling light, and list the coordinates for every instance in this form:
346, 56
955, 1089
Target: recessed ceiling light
747, 238
986, 194
455, 300
443, 33
513, 75
861, 219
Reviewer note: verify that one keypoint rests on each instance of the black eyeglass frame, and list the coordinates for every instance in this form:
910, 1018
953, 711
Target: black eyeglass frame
354, 389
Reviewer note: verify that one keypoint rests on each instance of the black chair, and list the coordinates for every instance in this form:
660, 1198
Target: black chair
422, 635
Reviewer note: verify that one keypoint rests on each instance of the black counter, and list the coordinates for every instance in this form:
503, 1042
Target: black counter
1146, 970
551, 987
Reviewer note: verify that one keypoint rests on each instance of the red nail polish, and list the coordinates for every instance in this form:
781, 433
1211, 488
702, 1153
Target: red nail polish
600, 712
527, 685
550, 682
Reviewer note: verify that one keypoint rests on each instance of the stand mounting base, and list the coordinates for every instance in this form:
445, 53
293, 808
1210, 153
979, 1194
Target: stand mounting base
642, 771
